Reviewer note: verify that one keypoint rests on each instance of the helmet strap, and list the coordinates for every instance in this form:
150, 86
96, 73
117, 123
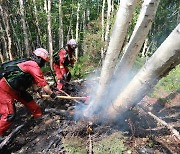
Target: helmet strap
40, 61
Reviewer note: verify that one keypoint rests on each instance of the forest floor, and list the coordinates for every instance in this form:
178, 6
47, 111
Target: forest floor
57, 131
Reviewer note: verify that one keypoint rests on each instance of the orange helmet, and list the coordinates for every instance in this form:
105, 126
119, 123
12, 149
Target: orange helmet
43, 53
72, 43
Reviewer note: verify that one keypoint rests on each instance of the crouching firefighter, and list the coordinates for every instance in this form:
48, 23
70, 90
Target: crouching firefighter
61, 60
16, 77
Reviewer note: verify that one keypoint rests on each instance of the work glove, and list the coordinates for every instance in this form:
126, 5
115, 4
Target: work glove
65, 76
53, 96
63, 82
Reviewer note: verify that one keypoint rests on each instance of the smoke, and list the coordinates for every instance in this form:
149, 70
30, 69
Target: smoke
110, 94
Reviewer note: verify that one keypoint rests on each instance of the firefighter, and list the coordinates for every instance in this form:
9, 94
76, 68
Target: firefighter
62, 59
26, 73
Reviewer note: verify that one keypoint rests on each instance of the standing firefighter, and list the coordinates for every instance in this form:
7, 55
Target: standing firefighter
16, 77
61, 60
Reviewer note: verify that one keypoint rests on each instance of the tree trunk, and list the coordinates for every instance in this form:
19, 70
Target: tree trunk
166, 57
25, 32
5, 18
102, 24
84, 32
4, 45
108, 24
61, 34
140, 33
39, 42
49, 33
77, 30
70, 26
1, 57
17, 42
123, 18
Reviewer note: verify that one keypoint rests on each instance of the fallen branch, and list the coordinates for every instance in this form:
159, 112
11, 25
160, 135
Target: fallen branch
10, 136
174, 131
90, 145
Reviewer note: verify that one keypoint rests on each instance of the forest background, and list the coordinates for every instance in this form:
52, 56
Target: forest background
27, 25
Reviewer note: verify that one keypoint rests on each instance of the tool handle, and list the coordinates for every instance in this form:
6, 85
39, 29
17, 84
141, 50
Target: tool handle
66, 97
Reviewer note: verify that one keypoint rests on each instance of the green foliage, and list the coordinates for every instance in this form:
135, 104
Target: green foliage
82, 67
171, 82
92, 41
165, 21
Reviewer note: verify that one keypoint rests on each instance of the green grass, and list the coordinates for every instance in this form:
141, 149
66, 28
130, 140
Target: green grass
171, 82
74, 145
112, 144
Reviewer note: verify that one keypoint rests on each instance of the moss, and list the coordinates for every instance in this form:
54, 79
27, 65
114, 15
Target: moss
112, 144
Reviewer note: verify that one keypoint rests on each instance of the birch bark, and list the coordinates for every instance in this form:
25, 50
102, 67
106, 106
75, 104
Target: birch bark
138, 37
77, 30
123, 18
108, 24
166, 57
102, 24
49, 33
61, 34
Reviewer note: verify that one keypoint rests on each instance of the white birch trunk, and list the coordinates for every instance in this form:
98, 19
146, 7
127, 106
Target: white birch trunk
25, 32
49, 33
138, 37
108, 24
77, 30
102, 24
61, 34
166, 57
123, 18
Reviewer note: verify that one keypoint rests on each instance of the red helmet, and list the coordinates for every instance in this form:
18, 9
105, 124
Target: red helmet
43, 53
72, 43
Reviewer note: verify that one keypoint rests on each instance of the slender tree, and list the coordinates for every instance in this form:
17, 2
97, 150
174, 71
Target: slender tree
4, 44
24, 26
37, 24
5, 18
77, 30
102, 24
108, 23
49, 32
61, 33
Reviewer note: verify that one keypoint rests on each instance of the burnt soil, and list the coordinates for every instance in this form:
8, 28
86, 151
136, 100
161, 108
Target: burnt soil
142, 133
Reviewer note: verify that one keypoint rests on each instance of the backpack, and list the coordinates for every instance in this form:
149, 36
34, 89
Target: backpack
15, 76
10, 66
